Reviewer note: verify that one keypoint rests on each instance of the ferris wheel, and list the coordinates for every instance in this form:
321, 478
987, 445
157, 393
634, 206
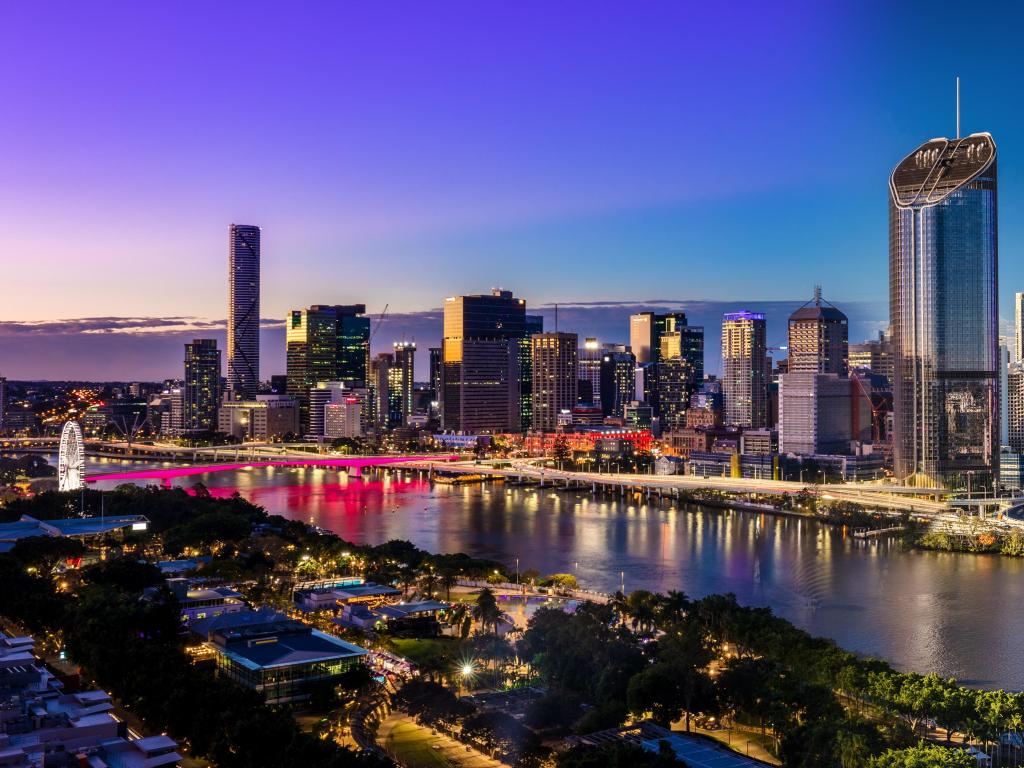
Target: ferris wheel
71, 459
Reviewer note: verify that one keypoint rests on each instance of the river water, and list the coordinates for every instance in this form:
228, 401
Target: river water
958, 615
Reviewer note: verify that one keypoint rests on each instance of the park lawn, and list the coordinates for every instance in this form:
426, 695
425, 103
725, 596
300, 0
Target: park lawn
411, 745
421, 650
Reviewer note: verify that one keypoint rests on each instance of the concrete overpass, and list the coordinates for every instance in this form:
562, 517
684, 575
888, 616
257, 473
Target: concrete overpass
921, 501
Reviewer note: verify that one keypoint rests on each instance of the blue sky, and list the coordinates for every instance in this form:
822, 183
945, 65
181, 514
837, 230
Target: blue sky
397, 154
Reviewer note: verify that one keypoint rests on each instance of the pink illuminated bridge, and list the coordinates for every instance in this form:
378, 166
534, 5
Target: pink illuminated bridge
357, 464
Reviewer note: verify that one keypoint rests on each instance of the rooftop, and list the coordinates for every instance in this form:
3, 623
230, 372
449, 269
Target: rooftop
28, 527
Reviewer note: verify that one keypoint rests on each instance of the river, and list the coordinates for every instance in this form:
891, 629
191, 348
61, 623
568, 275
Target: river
954, 614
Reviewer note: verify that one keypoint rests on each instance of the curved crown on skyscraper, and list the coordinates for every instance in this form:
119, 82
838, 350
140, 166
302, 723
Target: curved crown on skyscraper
940, 167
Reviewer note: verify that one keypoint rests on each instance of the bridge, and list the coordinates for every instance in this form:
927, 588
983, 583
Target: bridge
355, 464
925, 502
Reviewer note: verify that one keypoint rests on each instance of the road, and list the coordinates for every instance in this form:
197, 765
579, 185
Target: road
415, 746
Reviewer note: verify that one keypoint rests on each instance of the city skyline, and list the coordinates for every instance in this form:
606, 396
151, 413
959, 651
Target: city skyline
600, 192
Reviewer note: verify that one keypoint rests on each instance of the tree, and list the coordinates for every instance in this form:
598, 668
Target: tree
46, 553
560, 451
923, 756
486, 610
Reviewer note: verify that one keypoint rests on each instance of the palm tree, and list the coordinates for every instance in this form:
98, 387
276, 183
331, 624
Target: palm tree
619, 606
429, 582
672, 606
486, 610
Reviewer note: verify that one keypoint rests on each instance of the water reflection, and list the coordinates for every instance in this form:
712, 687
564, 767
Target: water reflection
953, 614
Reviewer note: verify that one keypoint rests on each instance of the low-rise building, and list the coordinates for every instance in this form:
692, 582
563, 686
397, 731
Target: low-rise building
82, 528
265, 418
333, 595
198, 602
42, 726
279, 657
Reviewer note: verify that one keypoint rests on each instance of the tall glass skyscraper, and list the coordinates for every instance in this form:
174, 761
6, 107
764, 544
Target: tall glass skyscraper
943, 267
243, 311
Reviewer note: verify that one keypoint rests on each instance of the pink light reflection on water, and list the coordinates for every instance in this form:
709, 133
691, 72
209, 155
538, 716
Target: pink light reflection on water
358, 510
193, 469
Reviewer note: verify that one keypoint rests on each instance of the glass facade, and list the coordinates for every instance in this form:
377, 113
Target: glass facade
243, 311
325, 343
201, 393
943, 266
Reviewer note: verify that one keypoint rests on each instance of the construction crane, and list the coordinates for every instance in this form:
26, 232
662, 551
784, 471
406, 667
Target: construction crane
380, 319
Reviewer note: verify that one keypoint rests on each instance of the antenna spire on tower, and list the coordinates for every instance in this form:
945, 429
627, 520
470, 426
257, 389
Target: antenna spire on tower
958, 106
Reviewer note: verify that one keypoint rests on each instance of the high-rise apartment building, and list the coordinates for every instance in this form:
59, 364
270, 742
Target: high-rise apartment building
818, 338
1018, 315
1015, 395
325, 343
745, 369
243, 311
402, 378
555, 377
675, 386
201, 390
943, 267
481, 380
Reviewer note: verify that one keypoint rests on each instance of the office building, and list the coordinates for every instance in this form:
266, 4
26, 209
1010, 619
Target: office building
641, 336
3, 404
482, 349
402, 380
650, 333
874, 355
590, 355
325, 343
435, 370
243, 311
1011, 470
943, 267
818, 338
815, 414
618, 380
745, 369
201, 391
555, 377
268, 417
532, 324
344, 418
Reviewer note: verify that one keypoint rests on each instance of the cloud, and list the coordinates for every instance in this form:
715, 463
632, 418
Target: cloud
151, 348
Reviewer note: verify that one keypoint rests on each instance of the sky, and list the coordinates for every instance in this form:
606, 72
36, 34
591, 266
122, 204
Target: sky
596, 155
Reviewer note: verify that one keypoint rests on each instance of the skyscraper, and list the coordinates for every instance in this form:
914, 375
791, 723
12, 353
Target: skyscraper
943, 258
243, 311
481, 382
201, 392
555, 377
590, 372
435, 370
1018, 312
401, 381
531, 324
745, 369
325, 343
618, 380
646, 332
818, 338
3, 404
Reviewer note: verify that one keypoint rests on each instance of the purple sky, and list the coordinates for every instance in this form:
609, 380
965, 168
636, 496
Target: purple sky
400, 153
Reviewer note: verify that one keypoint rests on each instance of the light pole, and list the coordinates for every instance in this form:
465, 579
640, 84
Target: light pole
622, 581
